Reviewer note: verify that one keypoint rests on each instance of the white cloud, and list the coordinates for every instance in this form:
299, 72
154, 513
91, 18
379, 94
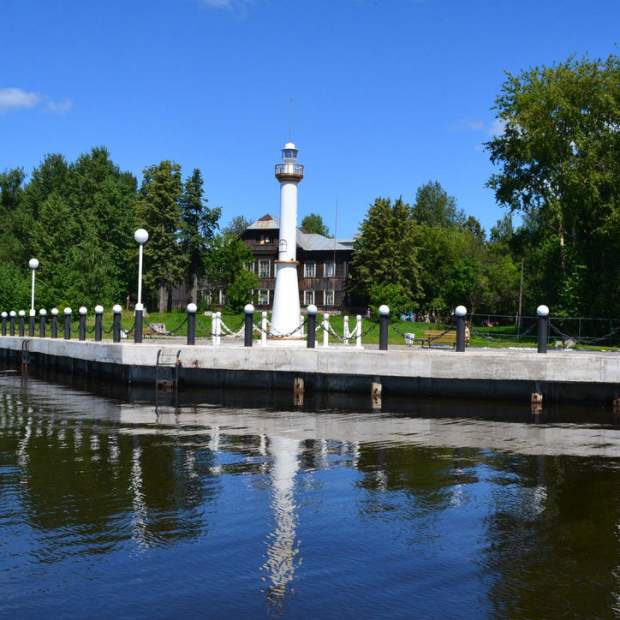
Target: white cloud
19, 99
493, 128
237, 5
59, 107
16, 98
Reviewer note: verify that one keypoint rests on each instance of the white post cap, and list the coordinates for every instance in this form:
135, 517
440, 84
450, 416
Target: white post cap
326, 316
141, 236
384, 310
139, 307
67, 310
4, 315
54, 311
542, 310
22, 313
12, 313
248, 309
98, 309
192, 308
43, 312
460, 311
117, 308
32, 312
82, 310
33, 263
312, 309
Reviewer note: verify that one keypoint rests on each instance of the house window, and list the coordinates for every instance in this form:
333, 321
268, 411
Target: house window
328, 298
308, 298
263, 297
251, 266
310, 270
264, 268
264, 239
329, 270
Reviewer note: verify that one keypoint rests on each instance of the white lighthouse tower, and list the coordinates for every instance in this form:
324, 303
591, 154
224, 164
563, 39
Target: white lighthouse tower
286, 311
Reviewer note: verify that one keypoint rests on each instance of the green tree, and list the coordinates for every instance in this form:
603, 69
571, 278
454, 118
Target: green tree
237, 226
313, 223
385, 251
199, 226
435, 207
159, 211
558, 161
227, 269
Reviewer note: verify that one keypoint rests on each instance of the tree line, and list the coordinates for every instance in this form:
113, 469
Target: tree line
78, 219
556, 174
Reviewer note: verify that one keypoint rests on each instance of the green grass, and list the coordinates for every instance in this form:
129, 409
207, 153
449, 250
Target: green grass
176, 321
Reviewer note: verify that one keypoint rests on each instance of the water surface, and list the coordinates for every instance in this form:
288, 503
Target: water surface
111, 508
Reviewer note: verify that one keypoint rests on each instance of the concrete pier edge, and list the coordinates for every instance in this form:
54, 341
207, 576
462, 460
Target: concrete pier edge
488, 373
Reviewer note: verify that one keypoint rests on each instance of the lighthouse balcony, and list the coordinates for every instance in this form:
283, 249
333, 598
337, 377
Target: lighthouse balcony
291, 171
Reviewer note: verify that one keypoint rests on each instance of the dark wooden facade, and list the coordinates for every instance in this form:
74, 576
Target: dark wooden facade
323, 266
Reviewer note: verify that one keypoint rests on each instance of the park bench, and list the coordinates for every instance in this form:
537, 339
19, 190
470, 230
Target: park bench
156, 329
438, 336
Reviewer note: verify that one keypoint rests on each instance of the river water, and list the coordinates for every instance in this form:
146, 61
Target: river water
111, 508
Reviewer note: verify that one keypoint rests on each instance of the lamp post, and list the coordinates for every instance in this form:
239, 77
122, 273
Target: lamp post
33, 263
141, 236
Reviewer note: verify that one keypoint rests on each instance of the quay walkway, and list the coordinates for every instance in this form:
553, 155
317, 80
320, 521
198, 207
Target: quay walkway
514, 374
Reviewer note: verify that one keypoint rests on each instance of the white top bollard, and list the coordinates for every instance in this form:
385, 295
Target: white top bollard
248, 309
263, 329
460, 311
326, 330
12, 313
32, 312
98, 309
358, 331
4, 315
83, 310
384, 310
54, 311
117, 308
542, 311
43, 312
22, 313
346, 333
192, 308
67, 310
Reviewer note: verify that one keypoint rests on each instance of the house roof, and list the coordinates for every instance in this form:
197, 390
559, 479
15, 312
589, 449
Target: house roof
306, 241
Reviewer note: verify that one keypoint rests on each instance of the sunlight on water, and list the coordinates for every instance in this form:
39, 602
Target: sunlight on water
111, 508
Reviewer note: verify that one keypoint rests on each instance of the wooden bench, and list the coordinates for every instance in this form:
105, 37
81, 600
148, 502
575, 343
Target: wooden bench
441, 336
156, 329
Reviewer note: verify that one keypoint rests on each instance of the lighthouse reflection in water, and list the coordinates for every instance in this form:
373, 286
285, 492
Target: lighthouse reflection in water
111, 508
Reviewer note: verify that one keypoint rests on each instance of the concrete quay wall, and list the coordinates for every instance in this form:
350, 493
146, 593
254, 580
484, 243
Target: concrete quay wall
485, 373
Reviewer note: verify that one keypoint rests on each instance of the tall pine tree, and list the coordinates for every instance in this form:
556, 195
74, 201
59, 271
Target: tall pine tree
199, 226
159, 211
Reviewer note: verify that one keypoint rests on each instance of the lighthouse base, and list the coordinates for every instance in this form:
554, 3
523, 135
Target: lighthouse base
286, 315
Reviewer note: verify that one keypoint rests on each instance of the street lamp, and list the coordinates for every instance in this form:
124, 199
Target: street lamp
33, 263
141, 236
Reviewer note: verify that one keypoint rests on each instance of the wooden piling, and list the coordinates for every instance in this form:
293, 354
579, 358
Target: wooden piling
298, 391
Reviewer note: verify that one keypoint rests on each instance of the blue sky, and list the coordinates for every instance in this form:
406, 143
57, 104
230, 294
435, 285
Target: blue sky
381, 95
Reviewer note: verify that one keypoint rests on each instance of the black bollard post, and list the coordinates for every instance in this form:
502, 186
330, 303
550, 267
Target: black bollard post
249, 325
21, 327
67, 323
82, 323
191, 323
460, 313
98, 323
543, 328
4, 317
116, 323
311, 341
137, 331
384, 320
54, 323
12, 315
32, 317
42, 321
